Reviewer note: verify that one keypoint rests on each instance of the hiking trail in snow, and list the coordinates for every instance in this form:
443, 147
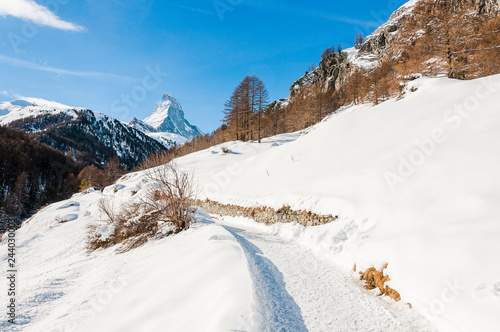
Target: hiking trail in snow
295, 291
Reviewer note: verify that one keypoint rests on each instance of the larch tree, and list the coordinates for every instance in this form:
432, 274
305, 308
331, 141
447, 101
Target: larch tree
243, 110
262, 102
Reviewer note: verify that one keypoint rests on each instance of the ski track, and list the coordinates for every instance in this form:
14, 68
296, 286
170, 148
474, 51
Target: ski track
296, 291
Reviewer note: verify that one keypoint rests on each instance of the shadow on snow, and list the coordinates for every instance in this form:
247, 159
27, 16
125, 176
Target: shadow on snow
277, 310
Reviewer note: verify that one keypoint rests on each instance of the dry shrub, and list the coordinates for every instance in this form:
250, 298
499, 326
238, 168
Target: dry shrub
164, 211
173, 196
377, 279
129, 227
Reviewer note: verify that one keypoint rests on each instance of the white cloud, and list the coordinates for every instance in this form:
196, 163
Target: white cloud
31, 11
31, 65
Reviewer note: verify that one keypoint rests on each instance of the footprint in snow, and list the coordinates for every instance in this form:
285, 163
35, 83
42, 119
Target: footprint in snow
221, 238
496, 289
68, 205
67, 218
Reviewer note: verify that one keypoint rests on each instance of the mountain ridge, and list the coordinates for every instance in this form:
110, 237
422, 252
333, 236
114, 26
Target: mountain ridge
87, 135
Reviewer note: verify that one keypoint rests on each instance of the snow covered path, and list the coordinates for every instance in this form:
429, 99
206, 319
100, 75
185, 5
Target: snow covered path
295, 291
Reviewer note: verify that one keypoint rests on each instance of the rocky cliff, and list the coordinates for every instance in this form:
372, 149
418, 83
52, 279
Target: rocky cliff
334, 71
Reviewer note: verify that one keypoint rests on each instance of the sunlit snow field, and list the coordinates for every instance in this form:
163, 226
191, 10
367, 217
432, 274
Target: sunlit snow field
415, 183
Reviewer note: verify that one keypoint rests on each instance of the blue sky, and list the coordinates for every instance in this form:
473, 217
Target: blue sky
119, 57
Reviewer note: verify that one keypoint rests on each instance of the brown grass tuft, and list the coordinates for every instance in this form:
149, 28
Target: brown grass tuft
377, 279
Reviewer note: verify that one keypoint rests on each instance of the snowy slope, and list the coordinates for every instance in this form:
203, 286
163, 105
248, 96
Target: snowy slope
31, 107
416, 183
214, 277
195, 281
166, 138
430, 210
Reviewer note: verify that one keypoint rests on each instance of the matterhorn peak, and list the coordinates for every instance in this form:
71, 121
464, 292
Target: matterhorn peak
169, 97
168, 116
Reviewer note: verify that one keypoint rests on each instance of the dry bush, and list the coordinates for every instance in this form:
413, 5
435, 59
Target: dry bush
165, 210
377, 279
131, 227
174, 195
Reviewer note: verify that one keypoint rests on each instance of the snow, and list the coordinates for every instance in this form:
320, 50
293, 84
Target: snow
195, 281
404, 10
414, 181
168, 139
213, 277
298, 292
409, 5
32, 107
365, 61
283, 102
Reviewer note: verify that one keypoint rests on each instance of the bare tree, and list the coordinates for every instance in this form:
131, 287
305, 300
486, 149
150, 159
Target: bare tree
358, 40
243, 106
113, 170
328, 52
262, 102
157, 159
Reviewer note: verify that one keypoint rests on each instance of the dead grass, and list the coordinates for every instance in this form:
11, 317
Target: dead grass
376, 279
131, 227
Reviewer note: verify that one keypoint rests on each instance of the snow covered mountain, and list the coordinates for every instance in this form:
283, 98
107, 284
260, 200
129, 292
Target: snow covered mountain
89, 136
168, 139
32, 107
167, 123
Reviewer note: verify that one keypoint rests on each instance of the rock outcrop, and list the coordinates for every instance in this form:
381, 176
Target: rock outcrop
332, 72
